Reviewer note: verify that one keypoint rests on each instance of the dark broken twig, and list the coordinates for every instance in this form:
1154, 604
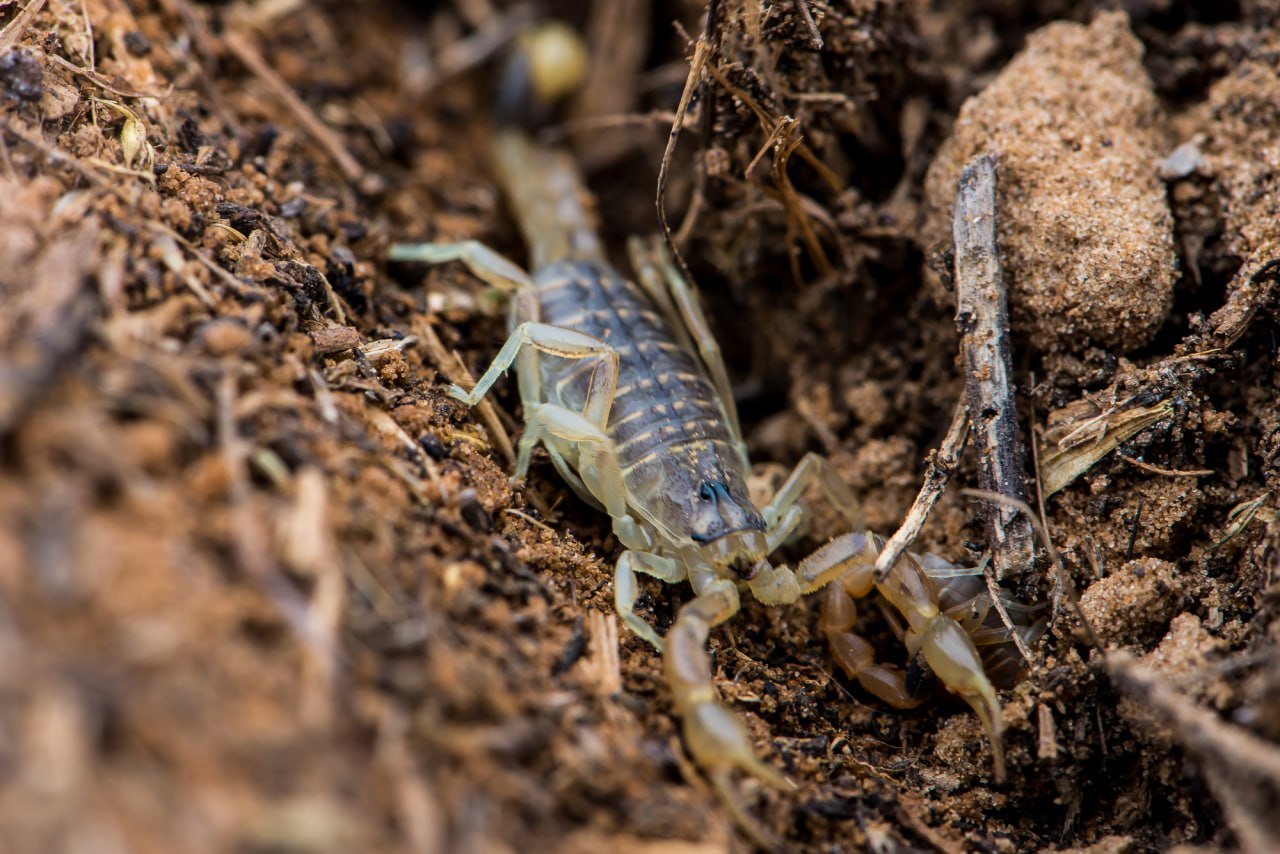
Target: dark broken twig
1242, 770
982, 318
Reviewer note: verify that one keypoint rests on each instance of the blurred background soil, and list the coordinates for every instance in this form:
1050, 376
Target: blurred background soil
265, 588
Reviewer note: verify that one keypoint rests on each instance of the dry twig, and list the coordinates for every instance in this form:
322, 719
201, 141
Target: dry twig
452, 368
1055, 560
939, 466
251, 59
1242, 770
14, 29
1154, 469
982, 317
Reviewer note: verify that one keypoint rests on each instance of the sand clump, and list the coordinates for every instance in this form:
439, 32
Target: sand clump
1134, 602
1085, 231
1225, 180
1243, 155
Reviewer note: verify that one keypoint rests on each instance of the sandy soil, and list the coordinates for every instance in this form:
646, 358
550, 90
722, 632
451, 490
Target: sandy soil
265, 587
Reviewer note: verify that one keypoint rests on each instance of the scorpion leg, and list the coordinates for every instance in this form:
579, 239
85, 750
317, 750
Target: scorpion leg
625, 589
781, 585
601, 477
485, 264
649, 277
529, 341
551, 341
844, 566
813, 468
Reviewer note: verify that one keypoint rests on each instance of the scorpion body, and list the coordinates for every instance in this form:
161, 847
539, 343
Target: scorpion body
623, 384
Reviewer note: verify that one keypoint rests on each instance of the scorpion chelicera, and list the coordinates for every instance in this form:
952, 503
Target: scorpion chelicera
624, 385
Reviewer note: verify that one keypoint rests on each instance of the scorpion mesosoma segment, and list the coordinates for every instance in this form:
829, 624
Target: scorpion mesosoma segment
623, 384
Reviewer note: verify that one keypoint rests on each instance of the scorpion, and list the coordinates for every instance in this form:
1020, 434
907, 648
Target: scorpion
624, 385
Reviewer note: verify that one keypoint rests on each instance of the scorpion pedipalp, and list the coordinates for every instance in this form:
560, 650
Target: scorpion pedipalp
917, 589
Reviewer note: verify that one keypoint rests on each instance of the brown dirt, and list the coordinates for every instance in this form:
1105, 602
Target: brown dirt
262, 589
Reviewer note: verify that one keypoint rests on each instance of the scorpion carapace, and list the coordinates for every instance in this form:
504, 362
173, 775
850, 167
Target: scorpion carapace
623, 384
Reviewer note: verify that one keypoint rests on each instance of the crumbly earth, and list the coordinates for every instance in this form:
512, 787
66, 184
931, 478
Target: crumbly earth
265, 587
1087, 237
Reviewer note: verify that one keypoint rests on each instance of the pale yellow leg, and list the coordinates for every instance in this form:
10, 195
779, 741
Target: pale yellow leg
855, 655
813, 468
781, 585
531, 339
625, 588
485, 264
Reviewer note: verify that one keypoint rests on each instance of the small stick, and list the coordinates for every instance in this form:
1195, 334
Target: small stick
1133, 532
1154, 469
696, 65
1055, 560
417, 806
1042, 521
806, 15
99, 80
1242, 770
982, 317
14, 29
940, 465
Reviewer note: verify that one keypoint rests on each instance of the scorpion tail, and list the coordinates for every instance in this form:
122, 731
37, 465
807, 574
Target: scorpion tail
545, 191
549, 62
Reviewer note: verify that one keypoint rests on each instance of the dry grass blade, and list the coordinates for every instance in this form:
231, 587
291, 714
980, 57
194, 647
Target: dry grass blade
319, 131
1075, 454
1240, 517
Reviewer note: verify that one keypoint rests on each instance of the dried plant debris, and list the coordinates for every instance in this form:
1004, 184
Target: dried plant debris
1085, 230
265, 587
1079, 436
1243, 771
982, 319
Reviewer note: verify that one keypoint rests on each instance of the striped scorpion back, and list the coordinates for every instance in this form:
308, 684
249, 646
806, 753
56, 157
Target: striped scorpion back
668, 421
682, 464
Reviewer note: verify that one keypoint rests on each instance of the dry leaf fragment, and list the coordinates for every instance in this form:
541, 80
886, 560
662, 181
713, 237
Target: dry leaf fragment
1074, 454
